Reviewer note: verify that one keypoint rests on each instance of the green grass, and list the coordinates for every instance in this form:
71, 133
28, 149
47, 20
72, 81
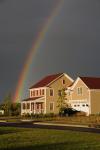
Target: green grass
43, 139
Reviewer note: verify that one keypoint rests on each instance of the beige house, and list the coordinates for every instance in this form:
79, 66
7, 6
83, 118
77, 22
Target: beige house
84, 95
44, 94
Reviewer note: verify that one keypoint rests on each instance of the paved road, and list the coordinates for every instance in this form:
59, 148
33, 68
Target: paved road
31, 125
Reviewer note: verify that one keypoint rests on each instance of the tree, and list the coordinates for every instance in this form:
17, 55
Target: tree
61, 104
15, 109
6, 104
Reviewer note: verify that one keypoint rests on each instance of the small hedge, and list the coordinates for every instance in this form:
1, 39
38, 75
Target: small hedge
32, 116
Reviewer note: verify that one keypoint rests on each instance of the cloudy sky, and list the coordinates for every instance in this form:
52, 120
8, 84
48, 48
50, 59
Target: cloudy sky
72, 43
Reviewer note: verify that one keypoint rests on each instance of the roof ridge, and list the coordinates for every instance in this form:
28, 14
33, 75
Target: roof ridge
52, 76
88, 77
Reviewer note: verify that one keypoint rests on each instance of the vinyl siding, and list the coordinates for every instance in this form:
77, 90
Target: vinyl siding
57, 85
95, 101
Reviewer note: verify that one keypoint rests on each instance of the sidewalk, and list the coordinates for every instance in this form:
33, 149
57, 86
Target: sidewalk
62, 125
3, 121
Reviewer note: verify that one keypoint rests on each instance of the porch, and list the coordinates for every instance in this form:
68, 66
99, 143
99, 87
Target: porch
33, 106
37, 107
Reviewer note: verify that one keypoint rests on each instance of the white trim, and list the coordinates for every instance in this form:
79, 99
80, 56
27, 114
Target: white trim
63, 74
55, 79
38, 88
89, 102
68, 77
78, 101
45, 103
75, 83
38, 99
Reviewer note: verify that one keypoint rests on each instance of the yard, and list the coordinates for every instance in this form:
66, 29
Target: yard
44, 139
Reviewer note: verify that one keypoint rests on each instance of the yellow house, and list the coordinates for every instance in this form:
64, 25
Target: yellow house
84, 95
44, 94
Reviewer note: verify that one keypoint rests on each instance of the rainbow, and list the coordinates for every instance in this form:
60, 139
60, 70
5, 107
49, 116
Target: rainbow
40, 38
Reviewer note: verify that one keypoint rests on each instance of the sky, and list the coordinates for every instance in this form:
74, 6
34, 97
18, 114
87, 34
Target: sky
71, 45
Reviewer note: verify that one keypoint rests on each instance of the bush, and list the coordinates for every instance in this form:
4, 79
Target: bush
69, 112
49, 115
37, 116
27, 115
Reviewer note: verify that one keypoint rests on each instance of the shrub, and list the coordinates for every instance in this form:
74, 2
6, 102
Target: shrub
49, 115
27, 115
69, 112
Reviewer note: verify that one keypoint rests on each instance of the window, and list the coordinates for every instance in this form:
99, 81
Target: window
51, 106
79, 90
37, 92
87, 105
40, 92
59, 92
33, 93
63, 81
83, 105
74, 105
51, 92
28, 105
43, 92
23, 105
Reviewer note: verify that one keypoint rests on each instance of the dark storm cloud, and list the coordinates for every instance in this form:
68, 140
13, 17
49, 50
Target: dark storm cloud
72, 44
20, 20
2, 1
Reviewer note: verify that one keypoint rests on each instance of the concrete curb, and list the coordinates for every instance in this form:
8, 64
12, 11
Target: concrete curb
63, 125
3, 120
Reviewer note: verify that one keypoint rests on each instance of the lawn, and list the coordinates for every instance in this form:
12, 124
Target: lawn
12, 138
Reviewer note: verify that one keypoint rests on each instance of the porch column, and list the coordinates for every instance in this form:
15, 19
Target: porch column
41, 107
25, 107
34, 107
21, 108
30, 108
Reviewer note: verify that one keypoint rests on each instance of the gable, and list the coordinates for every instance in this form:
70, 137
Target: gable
78, 83
59, 81
46, 80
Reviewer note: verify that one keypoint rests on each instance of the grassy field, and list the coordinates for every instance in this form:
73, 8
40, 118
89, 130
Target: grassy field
43, 139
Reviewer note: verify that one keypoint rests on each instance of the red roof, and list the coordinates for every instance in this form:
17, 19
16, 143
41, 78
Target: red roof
91, 82
29, 99
45, 81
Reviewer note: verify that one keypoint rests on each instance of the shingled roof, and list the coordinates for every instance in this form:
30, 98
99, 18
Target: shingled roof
91, 82
45, 81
